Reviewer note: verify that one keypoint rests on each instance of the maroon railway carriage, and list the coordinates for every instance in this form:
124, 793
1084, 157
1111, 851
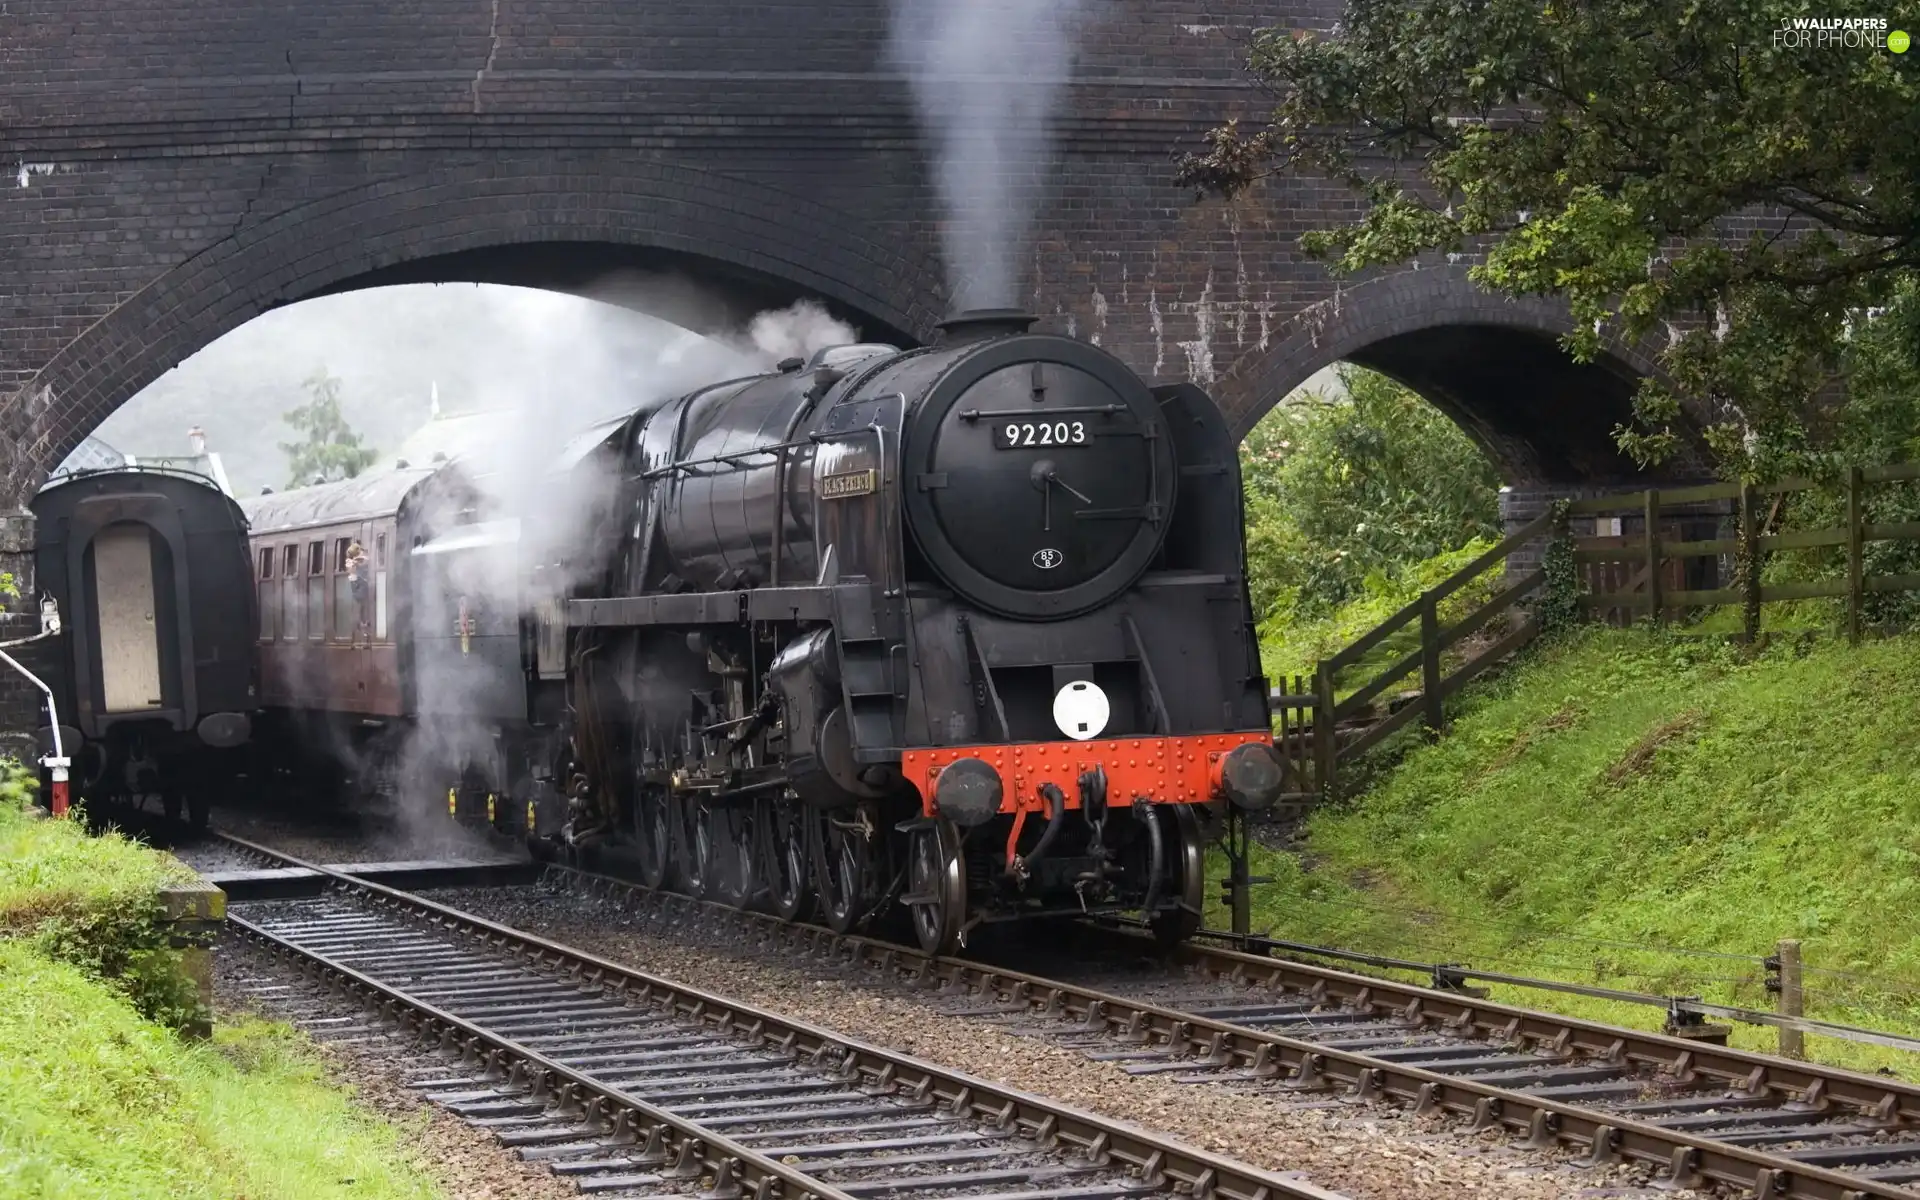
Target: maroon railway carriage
339, 648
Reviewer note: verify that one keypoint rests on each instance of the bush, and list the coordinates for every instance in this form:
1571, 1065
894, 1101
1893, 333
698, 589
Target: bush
1345, 491
91, 901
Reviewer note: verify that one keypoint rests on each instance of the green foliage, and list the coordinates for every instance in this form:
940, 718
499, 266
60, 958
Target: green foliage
1295, 645
9, 590
329, 449
96, 1102
1344, 493
1678, 176
1625, 792
90, 901
1558, 608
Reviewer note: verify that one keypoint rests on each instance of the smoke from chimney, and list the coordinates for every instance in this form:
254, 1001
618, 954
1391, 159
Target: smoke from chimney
986, 77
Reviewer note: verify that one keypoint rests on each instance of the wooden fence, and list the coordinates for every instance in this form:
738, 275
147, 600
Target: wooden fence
1636, 555
1335, 716
1752, 512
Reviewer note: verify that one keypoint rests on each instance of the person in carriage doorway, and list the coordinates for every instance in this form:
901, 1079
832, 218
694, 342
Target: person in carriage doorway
357, 584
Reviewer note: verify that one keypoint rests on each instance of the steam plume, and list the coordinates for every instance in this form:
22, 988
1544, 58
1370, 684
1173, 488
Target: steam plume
986, 77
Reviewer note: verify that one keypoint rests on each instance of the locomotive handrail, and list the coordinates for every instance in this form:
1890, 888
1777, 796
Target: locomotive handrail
732, 459
1077, 410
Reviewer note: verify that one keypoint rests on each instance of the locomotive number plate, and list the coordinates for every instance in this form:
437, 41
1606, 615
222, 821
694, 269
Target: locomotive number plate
845, 484
1020, 435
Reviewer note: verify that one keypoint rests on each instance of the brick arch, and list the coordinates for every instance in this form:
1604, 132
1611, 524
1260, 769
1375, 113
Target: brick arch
1492, 363
491, 222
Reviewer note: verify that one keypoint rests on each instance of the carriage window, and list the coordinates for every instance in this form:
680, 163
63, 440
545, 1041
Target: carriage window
269, 607
314, 550
266, 564
289, 559
380, 550
316, 607
380, 605
289, 606
340, 553
346, 613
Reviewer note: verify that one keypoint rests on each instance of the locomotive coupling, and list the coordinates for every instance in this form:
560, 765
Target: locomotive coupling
968, 792
1250, 775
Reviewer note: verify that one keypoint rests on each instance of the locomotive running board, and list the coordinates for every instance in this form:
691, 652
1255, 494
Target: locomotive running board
705, 608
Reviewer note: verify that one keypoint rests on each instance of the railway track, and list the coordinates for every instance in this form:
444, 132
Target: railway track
632, 1085
1702, 1114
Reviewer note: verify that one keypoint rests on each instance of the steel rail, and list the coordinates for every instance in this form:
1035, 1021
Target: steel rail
684, 1148
1455, 974
1687, 1159
1156, 1161
1300, 1065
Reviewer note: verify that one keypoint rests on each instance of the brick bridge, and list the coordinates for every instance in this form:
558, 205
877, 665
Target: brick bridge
171, 171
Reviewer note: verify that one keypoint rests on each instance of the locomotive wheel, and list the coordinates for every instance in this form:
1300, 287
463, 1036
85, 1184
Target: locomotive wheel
937, 887
843, 854
696, 847
1187, 871
653, 836
787, 858
734, 853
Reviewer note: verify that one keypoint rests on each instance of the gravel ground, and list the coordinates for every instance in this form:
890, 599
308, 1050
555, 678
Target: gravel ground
1372, 1151
467, 1163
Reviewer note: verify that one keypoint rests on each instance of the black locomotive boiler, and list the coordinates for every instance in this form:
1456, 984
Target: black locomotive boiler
153, 672
964, 629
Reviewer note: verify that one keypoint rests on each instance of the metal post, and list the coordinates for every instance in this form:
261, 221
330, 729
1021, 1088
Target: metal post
57, 762
1856, 531
1323, 743
1654, 607
1750, 562
1793, 1043
1242, 889
1435, 712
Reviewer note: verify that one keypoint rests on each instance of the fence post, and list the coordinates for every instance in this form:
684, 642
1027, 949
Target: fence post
1793, 1043
1749, 553
1856, 531
1324, 749
1653, 555
1435, 714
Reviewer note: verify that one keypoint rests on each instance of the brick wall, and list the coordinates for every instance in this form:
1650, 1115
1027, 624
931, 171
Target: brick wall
175, 170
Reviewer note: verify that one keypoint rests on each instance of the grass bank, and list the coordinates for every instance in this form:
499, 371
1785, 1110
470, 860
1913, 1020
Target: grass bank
92, 902
97, 1101
100, 1098
1649, 813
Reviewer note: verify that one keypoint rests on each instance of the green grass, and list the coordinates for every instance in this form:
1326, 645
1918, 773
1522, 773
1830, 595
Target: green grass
97, 1102
90, 901
1622, 796
1293, 645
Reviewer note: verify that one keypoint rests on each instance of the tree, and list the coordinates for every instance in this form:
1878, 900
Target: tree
330, 449
1713, 175
1339, 489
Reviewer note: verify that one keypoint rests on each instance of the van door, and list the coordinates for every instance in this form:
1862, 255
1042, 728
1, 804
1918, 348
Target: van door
129, 637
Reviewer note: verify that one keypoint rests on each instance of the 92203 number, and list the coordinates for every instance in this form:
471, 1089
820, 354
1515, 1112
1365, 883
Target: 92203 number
1018, 435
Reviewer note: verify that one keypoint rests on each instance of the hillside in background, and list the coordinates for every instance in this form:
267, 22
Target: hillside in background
1629, 808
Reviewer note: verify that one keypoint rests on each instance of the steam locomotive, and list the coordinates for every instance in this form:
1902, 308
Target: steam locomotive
962, 630
949, 635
